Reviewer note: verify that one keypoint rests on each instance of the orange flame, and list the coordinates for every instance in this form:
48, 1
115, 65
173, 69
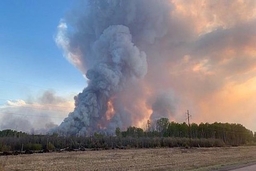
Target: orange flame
111, 111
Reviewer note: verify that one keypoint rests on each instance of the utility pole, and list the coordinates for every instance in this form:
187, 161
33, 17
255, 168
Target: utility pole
148, 125
188, 115
189, 129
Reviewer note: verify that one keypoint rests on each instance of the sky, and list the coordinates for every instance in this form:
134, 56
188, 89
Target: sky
32, 65
206, 62
29, 56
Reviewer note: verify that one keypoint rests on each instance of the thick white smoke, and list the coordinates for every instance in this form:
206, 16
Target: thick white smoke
106, 41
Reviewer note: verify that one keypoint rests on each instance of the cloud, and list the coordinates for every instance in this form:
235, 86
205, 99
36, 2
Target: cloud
37, 116
16, 103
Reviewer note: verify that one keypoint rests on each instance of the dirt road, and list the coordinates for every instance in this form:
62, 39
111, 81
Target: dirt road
247, 168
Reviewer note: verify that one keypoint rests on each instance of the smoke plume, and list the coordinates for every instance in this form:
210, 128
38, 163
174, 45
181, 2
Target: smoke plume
106, 45
130, 50
164, 106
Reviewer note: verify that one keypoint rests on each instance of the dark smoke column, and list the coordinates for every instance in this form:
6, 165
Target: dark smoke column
118, 61
103, 43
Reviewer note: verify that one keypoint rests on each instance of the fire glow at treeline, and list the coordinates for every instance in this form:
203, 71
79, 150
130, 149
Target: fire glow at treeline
148, 59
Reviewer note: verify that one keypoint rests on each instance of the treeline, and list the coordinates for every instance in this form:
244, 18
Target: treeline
44, 143
230, 134
12, 133
162, 133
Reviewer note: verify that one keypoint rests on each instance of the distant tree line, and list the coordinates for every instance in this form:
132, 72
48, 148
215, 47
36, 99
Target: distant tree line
161, 133
230, 134
11, 133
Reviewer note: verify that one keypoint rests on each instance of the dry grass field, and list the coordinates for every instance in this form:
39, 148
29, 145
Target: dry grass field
133, 159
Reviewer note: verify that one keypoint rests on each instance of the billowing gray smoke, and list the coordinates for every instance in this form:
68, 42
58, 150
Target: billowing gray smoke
107, 41
164, 106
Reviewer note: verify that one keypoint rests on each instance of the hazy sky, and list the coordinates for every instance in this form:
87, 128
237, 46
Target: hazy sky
210, 68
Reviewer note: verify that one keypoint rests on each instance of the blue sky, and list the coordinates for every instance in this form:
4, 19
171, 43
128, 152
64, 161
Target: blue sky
30, 60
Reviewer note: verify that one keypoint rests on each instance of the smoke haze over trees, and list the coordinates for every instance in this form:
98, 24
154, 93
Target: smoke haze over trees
164, 134
34, 115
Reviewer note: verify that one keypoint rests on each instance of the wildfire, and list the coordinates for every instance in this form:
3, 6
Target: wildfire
143, 122
111, 111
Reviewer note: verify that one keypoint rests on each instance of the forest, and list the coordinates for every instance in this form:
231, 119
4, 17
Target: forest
160, 134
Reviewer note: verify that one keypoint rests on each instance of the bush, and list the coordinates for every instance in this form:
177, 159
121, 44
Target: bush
5, 148
34, 147
50, 146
